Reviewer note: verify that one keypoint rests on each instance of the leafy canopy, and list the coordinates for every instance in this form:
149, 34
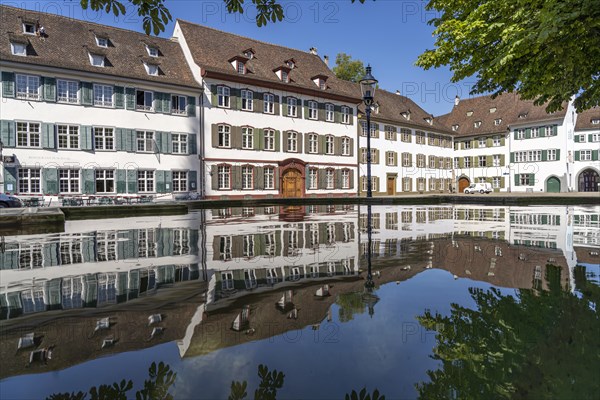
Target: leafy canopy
348, 69
546, 50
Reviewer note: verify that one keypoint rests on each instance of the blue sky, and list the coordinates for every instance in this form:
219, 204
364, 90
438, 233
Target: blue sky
388, 34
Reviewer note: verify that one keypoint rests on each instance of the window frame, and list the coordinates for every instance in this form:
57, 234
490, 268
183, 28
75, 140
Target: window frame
329, 112
148, 177
224, 171
247, 96
223, 96
104, 178
269, 177
147, 139
31, 180
180, 181
269, 103
179, 99
247, 138
313, 143
313, 110
269, 139
329, 144
181, 141
292, 141
345, 112
247, 175
292, 105
346, 146
67, 94
103, 89
224, 136
69, 136
29, 93
70, 179
14, 46
145, 94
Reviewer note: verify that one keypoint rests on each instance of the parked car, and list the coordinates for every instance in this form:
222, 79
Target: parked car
479, 188
7, 200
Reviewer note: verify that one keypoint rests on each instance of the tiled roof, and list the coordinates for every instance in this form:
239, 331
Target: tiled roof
68, 42
213, 51
392, 107
478, 115
584, 119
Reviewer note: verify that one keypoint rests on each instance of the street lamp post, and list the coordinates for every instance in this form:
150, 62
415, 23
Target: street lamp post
367, 85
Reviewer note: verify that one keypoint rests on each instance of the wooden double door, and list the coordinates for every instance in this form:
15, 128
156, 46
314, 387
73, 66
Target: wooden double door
292, 183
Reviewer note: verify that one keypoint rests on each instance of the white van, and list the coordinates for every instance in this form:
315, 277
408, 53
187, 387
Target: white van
479, 188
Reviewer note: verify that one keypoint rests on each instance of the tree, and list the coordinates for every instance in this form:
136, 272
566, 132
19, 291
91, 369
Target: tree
348, 69
545, 50
156, 15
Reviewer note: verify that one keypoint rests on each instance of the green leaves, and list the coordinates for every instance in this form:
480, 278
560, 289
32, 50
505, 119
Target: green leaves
363, 395
348, 69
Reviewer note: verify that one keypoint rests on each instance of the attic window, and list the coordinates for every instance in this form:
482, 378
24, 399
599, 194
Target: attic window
429, 120
101, 41
152, 51
240, 67
29, 28
492, 110
376, 108
455, 127
97, 60
249, 54
151, 69
469, 113
291, 64
477, 124
596, 121
18, 49
497, 121
406, 115
284, 76
522, 115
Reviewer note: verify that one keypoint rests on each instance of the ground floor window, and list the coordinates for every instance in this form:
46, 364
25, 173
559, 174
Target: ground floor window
224, 177
421, 184
329, 177
30, 180
496, 182
345, 179
180, 181
68, 180
269, 178
524, 180
406, 184
247, 177
145, 181
105, 181
312, 178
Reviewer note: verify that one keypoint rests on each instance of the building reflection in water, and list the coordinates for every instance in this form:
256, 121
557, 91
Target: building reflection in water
223, 277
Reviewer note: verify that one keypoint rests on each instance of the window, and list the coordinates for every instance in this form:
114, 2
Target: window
18, 49
313, 178
145, 179
390, 158
97, 60
105, 181
467, 144
180, 181
580, 138
224, 177
269, 135
496, 160
535, 132
524, 180
101, 41
103, 95
406, 135
68, 180
329, 144
345, 146
345, 179
151, 69
329, 112
497, 121
420, 135
313, 143
284, 76
482, 161
520, 133
312, 110
497, 141
373, 186
456, 163
247, 138
406, 159
455, 127
178, 104
28, 87
104, 138
247, 100
241, 67
595, 121
496, 182
345, 115
595, 137
476, 124
225, 246
364, 129
482, 142
67, 91
363, 154
269, 178
30, 180
144, 141
432, 162
269, 103
292, 142
247, 177
68, 136
467, 162
329, 178
28, 134
144, 100
223, 96
406, 185
29, 28
585, 155
421, 160
180, 143
224, 132
292, 107
152, 51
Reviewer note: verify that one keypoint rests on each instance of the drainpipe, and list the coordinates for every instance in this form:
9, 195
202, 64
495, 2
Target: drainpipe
202, 171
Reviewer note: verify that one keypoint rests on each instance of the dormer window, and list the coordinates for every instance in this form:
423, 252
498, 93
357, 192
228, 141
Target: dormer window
97, 60
291, 64
18, 49
152, 51
429, 120
322, 84
497, 121
101, 41
29, 28
469, 113
522, 115
240, 67
492, 110
455, 127
151, 69
285, 77
596, 121
406, 115
376, 108
249, 54
477, 124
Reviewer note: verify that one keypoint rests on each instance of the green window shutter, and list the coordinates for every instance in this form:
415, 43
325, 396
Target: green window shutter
557, 154
299, 142
119, 139
132, 181
236, 177
285, 141
351, 179
590, 137
236, 137
235, 99
191, 106
49, 88
544, 155
214, 100
512, 157
577, 155
121, 181
215, 135
502, 182
89, 183
50, 181
119, 97
8, 84
488, 161
48, 141
594, 155
277, 140
321, 111
258, 145
528, 133
214, 175
554, 130
192, 180
338, 179
130, 142
130, 98
277, 183
576, 138
475, 144
86, 141
192, 144
337, 146
284, 110
461, 162
531, 179
517, 179
352, 147
87, 93
515, 135
159, 179
322, 184
502, 141
7, 133
321, 144
502, 160
337, 112
489, 142
305, 108
257, 103
307, 179
168, 181
259, 178
164, 142
276, 105
10, 179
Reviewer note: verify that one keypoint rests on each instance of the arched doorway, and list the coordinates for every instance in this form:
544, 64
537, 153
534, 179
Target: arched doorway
553, 185
463, 183
292, 183
588, 181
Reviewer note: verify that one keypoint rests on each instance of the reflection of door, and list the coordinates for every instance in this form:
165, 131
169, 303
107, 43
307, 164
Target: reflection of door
588, 181
391, 185
553, 185
292, 183
462, 184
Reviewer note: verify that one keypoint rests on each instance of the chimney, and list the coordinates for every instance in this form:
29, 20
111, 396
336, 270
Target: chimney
313, 51
456, 100
398, 92
326, 60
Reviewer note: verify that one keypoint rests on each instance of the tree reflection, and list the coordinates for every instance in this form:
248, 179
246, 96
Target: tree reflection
537, 344
350, 304
161, 378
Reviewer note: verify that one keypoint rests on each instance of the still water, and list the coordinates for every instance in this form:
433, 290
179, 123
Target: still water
469, 302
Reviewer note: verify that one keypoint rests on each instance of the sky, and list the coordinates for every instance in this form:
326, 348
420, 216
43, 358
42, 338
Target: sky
387, 34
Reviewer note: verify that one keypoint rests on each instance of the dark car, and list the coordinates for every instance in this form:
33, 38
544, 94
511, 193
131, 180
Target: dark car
7, 200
